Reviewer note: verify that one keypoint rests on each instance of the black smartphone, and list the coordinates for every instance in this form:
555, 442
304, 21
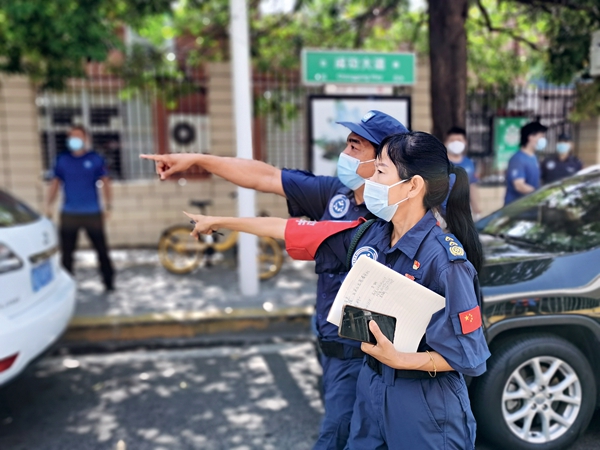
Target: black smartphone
355, 324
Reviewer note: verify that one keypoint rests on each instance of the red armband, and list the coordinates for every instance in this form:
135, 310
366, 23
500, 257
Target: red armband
303, 237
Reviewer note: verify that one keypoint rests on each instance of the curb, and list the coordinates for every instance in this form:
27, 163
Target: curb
183, 324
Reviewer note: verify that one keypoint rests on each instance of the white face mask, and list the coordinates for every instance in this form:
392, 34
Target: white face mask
346, 171
376, 197
456, 147
541, 143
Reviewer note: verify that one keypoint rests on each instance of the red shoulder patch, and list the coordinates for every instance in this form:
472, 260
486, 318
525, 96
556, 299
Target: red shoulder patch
303, 237
470, 320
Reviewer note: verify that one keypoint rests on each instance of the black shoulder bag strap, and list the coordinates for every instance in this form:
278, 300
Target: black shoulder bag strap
359, 233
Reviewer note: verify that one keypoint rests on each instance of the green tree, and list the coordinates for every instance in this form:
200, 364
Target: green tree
51, 40
570, 24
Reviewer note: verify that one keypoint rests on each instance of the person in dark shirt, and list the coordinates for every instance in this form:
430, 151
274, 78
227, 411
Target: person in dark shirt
79, 172
456, 143
561, 165
523, 172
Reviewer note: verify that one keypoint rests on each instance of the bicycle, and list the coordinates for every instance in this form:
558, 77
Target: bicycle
180, 253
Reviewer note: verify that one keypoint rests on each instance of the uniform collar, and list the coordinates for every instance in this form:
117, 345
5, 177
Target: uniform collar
409, 243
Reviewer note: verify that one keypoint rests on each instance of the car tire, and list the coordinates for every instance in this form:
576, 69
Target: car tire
510, 389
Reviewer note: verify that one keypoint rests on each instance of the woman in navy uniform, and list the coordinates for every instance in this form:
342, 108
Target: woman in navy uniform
405, 400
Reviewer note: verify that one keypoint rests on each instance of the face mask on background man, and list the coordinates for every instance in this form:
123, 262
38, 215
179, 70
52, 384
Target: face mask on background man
563, 147
541, 143
75, 144
456, 147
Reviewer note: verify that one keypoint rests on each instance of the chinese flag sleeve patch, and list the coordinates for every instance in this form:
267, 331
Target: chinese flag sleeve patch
470, 320
303, 237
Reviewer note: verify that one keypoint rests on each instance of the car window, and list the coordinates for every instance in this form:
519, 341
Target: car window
13, 212
563, 217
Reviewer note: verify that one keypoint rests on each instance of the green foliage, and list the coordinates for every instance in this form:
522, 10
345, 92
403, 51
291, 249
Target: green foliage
503, 42
146, 70
568, 33
509, 41
51, 40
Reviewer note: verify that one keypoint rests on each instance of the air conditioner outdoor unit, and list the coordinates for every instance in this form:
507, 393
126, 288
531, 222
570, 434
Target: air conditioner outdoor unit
188, 133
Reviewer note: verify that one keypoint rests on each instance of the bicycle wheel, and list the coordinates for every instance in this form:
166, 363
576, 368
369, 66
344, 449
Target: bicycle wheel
270, 257
179, 252
224, 242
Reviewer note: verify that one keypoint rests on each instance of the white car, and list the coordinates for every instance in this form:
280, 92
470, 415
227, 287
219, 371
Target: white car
37, 296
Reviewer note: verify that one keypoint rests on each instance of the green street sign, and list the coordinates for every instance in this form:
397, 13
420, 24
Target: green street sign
507, 136
351, 67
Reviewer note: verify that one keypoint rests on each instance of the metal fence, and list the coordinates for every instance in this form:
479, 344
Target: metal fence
548, 105
124, 123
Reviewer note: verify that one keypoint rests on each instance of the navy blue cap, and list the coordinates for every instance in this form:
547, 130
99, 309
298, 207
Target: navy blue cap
564, 137
375, 126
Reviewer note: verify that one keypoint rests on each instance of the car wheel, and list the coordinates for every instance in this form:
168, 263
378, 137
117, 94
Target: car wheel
538, 393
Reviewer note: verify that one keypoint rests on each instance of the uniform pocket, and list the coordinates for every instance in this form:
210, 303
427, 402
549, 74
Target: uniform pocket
465, 421
434, 403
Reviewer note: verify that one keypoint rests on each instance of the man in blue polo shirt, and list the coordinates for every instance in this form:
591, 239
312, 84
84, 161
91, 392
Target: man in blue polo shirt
319, 198
523, 172
78, 171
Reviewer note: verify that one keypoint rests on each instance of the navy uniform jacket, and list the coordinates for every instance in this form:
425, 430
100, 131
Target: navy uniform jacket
424, 254
322, 198
554, 169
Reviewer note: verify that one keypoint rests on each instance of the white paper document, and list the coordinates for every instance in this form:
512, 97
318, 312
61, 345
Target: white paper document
373, 286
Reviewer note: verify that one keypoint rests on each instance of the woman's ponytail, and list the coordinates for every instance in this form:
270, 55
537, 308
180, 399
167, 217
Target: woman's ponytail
459, 218
418, 153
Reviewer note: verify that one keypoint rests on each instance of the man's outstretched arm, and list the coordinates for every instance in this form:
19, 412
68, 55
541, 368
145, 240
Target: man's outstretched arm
247, 173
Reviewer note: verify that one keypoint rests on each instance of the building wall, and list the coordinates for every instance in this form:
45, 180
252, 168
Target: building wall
491, 198
143, 209
20, 156
587, 141
421, 98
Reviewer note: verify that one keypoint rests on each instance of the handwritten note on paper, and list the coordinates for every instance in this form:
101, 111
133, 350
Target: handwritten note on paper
373, 286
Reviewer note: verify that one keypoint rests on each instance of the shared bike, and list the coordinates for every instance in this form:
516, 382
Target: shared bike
180, 253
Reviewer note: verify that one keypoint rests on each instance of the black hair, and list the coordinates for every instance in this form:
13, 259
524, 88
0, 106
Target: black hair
529, 129
457, 130
419, 153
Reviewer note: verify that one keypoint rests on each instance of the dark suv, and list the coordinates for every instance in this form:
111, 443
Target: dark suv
541, 286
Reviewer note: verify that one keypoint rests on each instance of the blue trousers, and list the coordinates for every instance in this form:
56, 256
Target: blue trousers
397, 413
339, 394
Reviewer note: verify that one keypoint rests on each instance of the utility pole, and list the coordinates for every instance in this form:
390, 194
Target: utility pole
242, 103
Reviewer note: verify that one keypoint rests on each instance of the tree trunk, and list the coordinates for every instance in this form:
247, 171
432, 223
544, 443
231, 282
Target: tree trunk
448, 58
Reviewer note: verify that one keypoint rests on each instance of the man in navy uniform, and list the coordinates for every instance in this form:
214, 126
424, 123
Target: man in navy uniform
523, 173
563, 164
319, 198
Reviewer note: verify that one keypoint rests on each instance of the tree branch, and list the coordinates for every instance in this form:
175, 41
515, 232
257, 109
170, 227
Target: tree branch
573, 5
361, 21
510, 32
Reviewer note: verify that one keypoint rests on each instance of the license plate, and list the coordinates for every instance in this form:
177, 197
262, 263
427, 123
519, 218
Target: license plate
41, 275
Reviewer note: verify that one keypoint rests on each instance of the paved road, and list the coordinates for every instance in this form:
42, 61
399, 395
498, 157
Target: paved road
263, 397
